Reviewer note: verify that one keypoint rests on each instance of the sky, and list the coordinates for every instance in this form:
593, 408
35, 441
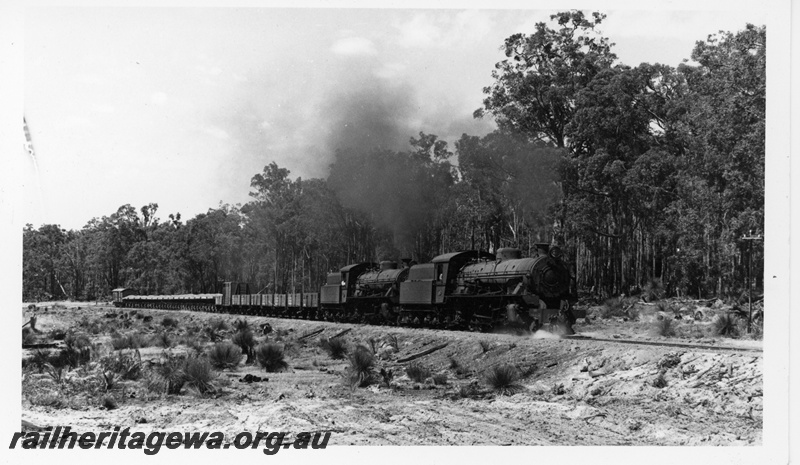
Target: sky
182, 106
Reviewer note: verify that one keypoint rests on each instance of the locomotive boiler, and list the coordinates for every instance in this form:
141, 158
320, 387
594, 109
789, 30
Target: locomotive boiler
513, 291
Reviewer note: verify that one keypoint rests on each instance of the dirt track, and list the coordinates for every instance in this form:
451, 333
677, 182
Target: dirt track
575, 392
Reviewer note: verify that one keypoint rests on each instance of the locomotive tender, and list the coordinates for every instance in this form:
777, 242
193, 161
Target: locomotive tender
460, 290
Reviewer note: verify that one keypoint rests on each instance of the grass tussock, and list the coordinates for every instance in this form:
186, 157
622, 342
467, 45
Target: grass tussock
163, 339
225, 355
665, 327
653, 290
198, 374
726, 325
169, 323
418, 372
362, 363
218, 324
618, 307
171, 376
270, 357
39, 359
127, 366
335, 347
77, 350
246, 341
132, 340
440, 379
503, 379
109, 402
240, 325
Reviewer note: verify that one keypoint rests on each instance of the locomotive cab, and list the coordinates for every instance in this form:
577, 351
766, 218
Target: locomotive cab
342, 285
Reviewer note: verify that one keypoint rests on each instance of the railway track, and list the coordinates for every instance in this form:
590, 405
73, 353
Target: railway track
573, 337
682, 345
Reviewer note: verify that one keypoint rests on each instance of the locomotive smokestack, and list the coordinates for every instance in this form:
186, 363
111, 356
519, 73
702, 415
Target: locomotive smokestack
542, 248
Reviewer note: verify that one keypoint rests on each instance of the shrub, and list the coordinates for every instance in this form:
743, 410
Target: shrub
109, 402
198, 374
660, 381
78, 350
28, 336
218, 324
665, 327
270, 356
670, 360
212, 334
373, 345
458, 367
362, 362
195, 345
503, 378
387, 376
653, 290
468, 390
225, 355
40, 358
246, 341
440, 379
57, 334
169, 322
241, 325
335, 347
418, 373
126, 365
172, 374
56, 373
129, 341
615, 306
726, 325
163, 339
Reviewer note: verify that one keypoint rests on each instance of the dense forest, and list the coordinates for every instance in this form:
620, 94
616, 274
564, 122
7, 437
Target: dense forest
639, 173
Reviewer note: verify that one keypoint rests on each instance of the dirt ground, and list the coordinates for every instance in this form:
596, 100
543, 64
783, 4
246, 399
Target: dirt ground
571, 391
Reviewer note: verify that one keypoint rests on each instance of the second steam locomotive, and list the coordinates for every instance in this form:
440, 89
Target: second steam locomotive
460, 290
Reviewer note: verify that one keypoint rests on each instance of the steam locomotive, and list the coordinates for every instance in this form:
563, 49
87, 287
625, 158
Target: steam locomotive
471, 289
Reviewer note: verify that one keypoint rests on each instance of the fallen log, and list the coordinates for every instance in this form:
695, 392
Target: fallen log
342, 333
312, 333
421, 354
41, 345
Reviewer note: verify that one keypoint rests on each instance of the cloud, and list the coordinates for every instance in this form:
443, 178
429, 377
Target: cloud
158, 98
426, 30
419, 32
354, 46
215, 132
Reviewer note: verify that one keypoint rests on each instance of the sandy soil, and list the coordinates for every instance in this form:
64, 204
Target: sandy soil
573, 391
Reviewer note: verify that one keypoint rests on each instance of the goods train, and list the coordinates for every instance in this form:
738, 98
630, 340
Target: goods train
461, 290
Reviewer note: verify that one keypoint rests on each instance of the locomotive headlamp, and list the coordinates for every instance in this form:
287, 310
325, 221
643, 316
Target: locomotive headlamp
555, 251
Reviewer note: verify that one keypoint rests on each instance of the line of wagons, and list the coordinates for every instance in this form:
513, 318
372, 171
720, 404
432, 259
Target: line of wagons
461, 290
